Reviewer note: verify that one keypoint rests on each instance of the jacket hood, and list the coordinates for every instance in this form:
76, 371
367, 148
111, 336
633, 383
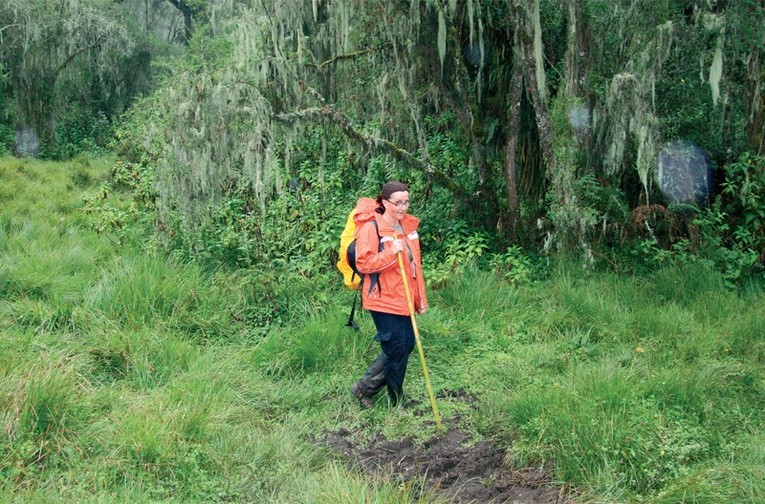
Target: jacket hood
365, 211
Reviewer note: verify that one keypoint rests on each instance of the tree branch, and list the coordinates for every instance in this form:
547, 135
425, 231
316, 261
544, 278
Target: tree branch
5, 28
76, 53
342, 57
370, 142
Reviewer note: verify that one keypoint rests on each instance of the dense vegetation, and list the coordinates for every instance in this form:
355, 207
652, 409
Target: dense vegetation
605, 129
590, 176
130, 375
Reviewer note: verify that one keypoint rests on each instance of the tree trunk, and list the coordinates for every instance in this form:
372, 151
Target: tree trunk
755, 103
511, 145
536, 90
188, 17
576, 52
577, 70
460, 100
36, 104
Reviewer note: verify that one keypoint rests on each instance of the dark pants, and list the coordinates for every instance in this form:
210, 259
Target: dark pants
396, 336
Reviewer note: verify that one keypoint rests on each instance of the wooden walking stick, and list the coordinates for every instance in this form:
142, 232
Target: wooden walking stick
432, 396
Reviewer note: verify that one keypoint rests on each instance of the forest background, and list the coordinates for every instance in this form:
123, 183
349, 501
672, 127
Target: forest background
616, 137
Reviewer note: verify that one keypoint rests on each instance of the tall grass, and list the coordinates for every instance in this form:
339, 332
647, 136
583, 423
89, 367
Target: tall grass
333, 485
127, 375
628, 395
122, 373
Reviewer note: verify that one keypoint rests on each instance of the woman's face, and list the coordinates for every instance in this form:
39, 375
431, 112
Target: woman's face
397, 204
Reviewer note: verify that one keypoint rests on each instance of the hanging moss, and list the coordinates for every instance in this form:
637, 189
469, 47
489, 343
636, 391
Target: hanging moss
715, 73
629, 114
441, 39
538, 56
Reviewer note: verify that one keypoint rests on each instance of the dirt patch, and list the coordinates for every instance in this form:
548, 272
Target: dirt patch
452, 466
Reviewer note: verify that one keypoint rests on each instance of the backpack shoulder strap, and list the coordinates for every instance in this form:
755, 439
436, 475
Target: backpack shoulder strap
375, 277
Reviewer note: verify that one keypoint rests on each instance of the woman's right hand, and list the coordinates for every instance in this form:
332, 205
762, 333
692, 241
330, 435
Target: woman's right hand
397, 246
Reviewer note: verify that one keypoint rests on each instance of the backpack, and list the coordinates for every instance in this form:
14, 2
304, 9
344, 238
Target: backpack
363, 212
346, 265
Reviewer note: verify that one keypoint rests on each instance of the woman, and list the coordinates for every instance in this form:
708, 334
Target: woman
384, 294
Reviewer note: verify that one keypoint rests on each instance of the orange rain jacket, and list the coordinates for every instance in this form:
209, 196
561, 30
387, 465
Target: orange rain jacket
388, 295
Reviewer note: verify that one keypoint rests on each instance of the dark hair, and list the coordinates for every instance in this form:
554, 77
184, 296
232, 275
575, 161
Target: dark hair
387, 191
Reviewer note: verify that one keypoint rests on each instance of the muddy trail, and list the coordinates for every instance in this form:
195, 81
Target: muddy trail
450, 465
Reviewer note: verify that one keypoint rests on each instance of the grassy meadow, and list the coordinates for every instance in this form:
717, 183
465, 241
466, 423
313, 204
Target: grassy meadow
127, 375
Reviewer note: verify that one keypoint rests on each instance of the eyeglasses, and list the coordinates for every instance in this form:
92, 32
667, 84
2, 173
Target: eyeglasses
400, 204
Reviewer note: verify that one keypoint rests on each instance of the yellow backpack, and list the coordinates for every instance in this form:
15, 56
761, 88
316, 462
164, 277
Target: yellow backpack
351, 277
347, 254
364, 211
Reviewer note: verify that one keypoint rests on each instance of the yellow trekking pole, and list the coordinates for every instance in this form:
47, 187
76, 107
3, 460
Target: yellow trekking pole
432, 396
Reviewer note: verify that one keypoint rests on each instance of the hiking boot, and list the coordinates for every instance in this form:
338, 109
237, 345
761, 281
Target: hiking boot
365, 401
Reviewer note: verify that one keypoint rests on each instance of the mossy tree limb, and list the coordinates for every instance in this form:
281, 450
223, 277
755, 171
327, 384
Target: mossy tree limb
372, 143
